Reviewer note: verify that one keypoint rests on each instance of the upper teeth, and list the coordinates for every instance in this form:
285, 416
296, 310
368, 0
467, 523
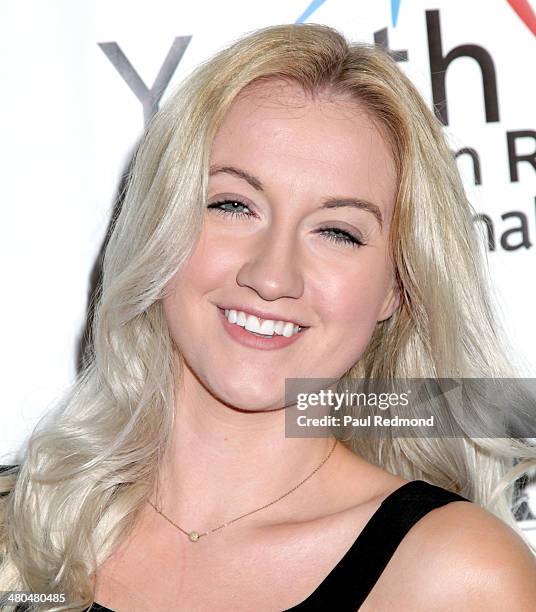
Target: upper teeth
261, 326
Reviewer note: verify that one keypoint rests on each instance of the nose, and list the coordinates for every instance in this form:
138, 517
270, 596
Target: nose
272, 267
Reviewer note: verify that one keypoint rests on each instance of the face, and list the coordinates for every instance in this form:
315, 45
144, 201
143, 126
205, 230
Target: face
296, 226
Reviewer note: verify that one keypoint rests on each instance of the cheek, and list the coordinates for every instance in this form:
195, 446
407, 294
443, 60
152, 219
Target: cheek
206, 263
350, 307
203, 271
355, 300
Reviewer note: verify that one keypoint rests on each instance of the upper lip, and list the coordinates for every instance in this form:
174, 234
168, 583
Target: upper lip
262, 314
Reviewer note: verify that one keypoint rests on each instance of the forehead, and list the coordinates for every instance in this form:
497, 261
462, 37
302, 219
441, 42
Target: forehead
327, 143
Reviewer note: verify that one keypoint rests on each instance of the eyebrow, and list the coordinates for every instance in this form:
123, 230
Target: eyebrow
329, 203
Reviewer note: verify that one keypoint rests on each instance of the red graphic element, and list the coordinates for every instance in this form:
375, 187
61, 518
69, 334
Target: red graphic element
525, 13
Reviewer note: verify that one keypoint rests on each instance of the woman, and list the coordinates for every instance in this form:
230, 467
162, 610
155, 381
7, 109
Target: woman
303, 180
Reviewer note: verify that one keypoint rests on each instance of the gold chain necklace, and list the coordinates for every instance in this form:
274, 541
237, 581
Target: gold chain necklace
194, 536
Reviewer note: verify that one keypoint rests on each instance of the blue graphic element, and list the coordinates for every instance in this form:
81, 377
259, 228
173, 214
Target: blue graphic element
395, 6
315, 4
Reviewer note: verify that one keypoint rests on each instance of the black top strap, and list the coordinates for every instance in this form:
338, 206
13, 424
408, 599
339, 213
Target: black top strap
352, 579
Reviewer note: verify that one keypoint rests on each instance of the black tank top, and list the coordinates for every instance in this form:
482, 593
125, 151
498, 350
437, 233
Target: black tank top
348, 584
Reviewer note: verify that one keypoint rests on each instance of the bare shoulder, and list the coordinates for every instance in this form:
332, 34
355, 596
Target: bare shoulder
461, 556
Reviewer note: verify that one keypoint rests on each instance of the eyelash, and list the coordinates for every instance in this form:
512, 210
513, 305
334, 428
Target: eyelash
347, 239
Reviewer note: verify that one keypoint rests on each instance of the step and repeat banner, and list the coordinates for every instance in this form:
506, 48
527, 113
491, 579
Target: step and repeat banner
80, 80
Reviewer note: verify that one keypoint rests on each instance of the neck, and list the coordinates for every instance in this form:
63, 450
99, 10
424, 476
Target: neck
223, 462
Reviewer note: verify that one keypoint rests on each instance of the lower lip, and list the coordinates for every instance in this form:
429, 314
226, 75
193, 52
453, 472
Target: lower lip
245, 338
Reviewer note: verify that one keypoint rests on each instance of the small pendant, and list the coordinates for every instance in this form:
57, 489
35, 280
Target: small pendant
194, 536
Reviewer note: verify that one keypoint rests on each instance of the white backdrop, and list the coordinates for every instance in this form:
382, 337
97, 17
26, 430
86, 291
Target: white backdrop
77, 80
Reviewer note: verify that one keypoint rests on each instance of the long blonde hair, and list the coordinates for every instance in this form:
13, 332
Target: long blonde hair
91, 464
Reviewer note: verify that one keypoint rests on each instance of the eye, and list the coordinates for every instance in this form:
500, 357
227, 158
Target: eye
233, 208
341, 237
333, 234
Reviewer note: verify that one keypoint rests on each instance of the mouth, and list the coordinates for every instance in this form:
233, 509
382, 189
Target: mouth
249, 333
275, 327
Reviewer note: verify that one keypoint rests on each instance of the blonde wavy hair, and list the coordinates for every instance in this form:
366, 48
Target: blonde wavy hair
91, 463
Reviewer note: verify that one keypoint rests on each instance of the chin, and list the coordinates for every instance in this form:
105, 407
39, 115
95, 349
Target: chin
259, 399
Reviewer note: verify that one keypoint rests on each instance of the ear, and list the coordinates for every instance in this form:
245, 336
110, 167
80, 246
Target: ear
390, 303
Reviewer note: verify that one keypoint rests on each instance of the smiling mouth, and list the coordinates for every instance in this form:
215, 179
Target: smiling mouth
279, 330
253, 325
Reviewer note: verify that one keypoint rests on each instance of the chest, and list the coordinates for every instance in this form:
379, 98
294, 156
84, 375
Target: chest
264, 568
269, 569
239, 591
